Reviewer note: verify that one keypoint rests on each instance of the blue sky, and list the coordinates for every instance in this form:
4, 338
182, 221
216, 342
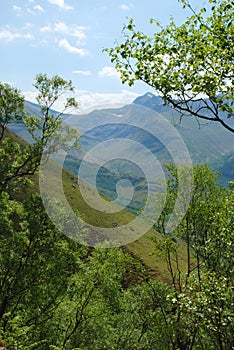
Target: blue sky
66, 37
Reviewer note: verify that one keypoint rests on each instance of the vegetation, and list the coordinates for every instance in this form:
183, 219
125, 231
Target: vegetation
59, 295
55, 293
26, 163
190, 65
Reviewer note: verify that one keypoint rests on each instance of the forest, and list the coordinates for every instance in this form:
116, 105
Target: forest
58, 294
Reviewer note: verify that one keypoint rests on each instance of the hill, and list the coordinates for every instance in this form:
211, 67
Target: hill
142, 125
141, 249
130, 122
140, 131
225, 167
207, 142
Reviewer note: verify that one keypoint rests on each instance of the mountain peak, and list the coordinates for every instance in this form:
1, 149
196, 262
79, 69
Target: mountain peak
152, 101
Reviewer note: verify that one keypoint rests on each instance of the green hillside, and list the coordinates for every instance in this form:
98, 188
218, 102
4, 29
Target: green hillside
142, 248
165, 271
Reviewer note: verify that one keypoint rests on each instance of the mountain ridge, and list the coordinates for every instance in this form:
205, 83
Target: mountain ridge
206, 143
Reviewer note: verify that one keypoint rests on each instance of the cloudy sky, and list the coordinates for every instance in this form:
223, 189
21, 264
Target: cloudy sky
66, 37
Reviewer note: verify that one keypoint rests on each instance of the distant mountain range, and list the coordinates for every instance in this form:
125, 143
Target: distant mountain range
144, 122
208, 142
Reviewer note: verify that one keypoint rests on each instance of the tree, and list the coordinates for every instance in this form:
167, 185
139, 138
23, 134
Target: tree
201, 297
11, 107
98, 313
36, 262
92, 301
190, 65
19, 160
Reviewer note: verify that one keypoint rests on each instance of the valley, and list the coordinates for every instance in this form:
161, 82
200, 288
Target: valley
206, 143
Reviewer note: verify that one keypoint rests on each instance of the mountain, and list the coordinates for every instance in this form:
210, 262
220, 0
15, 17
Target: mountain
124, 144
225, 167
134, 142
152, 101
156, 103
206, 141
134, 125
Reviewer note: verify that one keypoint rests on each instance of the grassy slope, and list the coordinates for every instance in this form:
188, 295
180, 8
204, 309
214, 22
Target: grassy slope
142, 249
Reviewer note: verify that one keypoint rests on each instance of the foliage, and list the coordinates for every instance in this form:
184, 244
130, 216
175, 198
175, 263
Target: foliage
190, 65
36, 261
21, 160
11, 106
56, 294
202, 296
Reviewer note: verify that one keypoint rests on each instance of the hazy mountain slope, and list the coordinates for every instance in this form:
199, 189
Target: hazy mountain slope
207, 143
204, 140
225, 166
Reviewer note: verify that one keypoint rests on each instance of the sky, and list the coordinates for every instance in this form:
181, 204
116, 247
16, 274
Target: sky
67, 37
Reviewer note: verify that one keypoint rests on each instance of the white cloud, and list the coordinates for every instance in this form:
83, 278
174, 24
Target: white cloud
28, 25
8, 35
126, 7
36, 10
17, 10
46, 29
89, 101
61, 4
75, 31
33, 10
108, 72
63, 43
30, 96
82, 72
63, 32
61, 27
